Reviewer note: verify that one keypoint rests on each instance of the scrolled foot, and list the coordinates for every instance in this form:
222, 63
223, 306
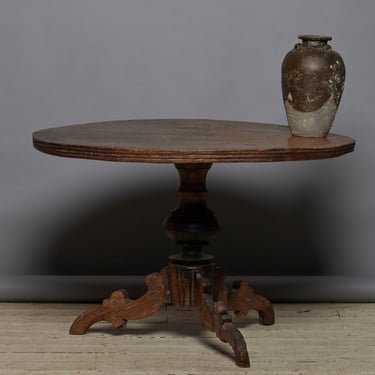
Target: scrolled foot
242, 298
119, 308
216, 318
237, 341
227, 332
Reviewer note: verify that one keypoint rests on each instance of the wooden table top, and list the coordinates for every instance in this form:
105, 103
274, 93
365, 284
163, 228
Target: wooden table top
186, 141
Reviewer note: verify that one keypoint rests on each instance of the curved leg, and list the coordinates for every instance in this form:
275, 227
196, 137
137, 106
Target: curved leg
119, 308
242, 298
216, 318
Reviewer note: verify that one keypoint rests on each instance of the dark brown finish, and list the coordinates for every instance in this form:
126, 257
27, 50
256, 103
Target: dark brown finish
191, 278
242, 299
202, 285
119, 308
192, 224
311, 73
186, 141
216, 318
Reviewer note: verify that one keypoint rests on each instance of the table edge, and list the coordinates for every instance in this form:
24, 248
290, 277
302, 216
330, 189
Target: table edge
197, 156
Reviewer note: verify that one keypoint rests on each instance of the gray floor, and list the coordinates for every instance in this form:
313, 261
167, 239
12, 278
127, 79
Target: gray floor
307, 339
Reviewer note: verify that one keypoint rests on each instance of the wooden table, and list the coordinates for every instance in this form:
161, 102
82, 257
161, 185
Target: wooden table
191, 278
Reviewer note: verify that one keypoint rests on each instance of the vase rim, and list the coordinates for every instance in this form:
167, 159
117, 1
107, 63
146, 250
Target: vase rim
306, 37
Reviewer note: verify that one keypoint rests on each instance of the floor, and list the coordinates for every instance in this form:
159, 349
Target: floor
307, 339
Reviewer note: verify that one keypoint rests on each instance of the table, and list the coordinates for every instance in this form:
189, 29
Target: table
191, 278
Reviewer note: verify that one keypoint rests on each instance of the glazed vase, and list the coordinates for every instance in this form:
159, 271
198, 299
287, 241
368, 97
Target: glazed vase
313, 76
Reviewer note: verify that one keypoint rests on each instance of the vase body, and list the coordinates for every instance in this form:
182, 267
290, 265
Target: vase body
312, 78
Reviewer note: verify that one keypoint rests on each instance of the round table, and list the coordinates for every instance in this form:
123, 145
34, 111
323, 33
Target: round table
191, 278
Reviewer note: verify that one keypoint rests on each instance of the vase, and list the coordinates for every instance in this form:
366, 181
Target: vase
313, 76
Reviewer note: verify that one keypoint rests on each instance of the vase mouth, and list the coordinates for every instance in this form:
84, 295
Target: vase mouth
310, 40
314, 38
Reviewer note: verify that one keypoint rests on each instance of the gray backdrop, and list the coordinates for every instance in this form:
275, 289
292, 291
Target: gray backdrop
299, 230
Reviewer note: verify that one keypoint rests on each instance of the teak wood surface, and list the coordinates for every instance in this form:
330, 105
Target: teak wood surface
191, 279
186, 141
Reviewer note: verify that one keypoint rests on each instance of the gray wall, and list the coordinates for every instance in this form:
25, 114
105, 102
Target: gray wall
72, 61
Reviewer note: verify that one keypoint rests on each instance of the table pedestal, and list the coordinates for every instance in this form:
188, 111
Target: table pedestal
191, 278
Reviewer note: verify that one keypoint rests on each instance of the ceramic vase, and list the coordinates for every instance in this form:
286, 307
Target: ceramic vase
313, 76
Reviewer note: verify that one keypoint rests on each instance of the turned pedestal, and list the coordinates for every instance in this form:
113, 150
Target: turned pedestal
191, 278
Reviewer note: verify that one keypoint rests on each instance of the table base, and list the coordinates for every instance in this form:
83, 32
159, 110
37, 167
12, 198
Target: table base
201, 287
191, 278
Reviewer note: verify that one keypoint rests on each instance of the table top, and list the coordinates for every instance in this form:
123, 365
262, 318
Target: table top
186, 141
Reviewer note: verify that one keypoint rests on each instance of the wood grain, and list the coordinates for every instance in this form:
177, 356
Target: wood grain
309, 339
186, 141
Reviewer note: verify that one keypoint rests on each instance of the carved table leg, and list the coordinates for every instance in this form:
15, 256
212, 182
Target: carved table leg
242, 298
216, 318
119, 308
